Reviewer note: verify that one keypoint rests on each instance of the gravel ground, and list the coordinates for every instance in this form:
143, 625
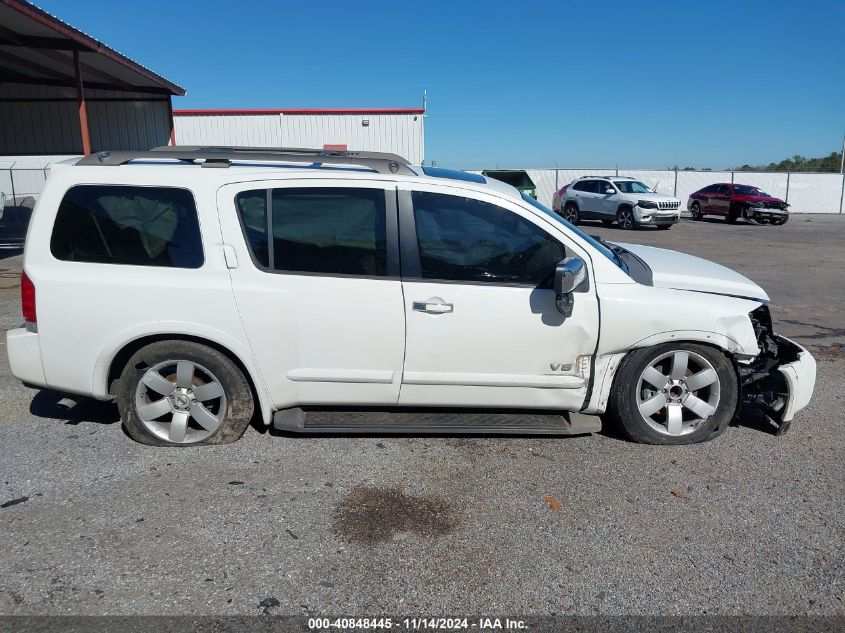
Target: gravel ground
747, 524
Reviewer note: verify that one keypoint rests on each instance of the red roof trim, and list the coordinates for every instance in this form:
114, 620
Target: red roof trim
302, 111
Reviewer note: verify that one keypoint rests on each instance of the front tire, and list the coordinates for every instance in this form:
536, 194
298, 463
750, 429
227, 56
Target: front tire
180, 393
625, 219
571, 213
675, 393
733, 214
780, 221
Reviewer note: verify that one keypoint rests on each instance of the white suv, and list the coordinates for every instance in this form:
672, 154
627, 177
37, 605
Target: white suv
626, 201
202, 288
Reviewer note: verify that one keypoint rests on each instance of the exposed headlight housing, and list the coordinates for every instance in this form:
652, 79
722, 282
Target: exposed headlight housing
646, 204
756, 204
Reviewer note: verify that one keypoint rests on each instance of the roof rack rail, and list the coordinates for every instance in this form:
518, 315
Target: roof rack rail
380, 162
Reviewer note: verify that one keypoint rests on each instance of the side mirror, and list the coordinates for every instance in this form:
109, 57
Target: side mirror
610, 191
569, 274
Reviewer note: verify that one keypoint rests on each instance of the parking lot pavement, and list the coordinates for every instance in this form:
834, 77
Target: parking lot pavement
747, 524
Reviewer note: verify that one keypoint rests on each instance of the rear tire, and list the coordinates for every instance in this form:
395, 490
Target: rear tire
696, 403
571, 213
181, 393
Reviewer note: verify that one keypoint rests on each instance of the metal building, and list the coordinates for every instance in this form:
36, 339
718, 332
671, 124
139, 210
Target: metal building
396, 130
63, 92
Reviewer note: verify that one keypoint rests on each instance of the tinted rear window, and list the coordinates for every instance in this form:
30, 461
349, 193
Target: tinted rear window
118, 224
328, 230
585, 185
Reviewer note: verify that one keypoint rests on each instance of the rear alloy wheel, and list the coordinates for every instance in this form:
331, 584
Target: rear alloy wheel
625, 218
676, 393
182, 393
695, 211
571, 214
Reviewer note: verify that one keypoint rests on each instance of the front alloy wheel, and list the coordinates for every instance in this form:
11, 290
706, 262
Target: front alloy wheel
625, 219
675, 393
751, 216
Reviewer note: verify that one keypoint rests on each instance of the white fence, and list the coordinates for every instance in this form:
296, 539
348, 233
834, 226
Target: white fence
805, 193
24, 176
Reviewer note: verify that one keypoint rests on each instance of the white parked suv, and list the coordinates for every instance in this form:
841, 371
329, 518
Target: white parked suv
626, 201
204, 288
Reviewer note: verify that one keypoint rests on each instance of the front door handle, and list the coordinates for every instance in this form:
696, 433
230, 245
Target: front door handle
435, 305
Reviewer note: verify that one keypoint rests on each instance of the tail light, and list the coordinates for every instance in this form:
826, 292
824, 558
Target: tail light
28, 299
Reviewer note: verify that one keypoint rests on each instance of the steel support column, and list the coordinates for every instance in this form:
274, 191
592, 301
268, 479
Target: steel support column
83, 108
170, 117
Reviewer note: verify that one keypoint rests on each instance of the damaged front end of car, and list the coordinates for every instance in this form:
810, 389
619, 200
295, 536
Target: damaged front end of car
776, 380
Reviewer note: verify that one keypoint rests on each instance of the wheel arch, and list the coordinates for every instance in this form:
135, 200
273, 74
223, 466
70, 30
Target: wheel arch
624, 205
111, 363
607, 365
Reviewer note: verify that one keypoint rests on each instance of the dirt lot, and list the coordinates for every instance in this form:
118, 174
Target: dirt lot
747, 524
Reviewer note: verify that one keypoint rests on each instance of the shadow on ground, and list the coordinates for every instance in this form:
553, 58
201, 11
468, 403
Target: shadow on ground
46, 404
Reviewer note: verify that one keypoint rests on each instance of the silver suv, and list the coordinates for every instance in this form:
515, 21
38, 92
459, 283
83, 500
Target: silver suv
627, 201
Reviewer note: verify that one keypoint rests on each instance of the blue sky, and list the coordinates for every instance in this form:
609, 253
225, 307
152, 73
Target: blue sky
577, 84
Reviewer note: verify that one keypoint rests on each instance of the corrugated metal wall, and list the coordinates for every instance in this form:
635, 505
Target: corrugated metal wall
401, 133
42, 127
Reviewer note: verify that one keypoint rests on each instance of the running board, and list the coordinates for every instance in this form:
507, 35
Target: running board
337, 421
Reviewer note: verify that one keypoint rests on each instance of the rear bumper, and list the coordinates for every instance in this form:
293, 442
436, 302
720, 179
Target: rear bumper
24, 349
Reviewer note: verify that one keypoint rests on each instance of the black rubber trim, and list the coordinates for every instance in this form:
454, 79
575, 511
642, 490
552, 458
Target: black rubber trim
408, 245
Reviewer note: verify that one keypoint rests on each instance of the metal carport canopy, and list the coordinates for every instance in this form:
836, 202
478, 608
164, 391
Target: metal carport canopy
38, 48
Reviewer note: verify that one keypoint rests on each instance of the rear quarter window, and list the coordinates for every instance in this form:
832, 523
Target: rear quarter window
120, 224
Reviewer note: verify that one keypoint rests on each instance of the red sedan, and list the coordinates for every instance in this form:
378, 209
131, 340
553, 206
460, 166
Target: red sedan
733, 200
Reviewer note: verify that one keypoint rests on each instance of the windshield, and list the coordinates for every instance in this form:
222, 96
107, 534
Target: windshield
745, 190
590, 240
631, 186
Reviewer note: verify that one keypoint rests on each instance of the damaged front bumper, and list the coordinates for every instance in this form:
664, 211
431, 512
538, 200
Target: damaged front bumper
780, 381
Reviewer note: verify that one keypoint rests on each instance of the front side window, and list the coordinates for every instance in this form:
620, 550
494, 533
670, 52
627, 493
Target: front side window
326, 230
461, 239
120, 224
746, 190
632, 186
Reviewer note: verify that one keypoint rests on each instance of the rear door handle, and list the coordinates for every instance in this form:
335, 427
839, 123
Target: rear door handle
435, 305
